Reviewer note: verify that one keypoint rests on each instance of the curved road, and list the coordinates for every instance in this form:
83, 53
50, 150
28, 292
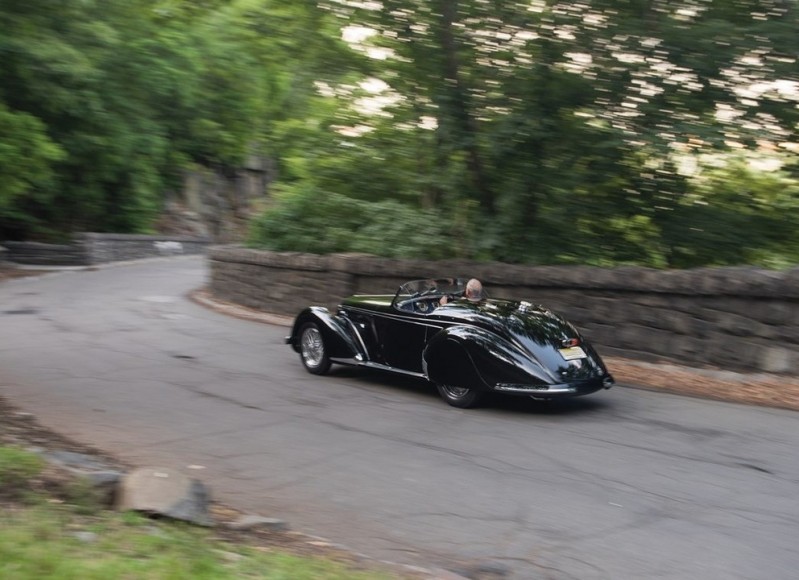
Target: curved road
623, 484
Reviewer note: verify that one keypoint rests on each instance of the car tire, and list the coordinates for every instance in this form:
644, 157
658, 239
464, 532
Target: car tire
313, 351
460, 397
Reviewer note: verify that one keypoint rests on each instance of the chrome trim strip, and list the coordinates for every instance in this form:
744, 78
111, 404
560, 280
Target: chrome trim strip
403, 317
534, 390
378, 366
346, 361
354, 327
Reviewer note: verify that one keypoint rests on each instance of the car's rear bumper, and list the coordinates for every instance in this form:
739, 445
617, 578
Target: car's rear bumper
556, 391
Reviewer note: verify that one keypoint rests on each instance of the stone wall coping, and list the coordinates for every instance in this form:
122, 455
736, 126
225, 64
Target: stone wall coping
39, 245
741, 281
93, 236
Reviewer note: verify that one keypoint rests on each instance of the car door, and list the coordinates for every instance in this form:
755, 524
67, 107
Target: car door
402, 339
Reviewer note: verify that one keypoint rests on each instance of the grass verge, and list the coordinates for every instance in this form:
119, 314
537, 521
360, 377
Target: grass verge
43, 536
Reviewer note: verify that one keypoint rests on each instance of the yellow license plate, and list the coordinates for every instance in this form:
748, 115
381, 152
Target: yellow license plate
572, 353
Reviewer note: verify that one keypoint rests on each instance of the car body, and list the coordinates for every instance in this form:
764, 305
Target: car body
466, 347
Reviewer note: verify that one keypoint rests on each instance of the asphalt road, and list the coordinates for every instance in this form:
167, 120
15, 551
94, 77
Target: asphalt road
626, 483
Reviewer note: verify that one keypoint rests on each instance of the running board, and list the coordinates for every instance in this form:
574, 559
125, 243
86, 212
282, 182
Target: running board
377, 366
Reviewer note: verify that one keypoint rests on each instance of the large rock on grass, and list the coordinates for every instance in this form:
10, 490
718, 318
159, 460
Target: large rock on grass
160, 491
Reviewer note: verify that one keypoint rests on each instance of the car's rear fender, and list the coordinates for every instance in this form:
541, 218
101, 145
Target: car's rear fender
473, 357
335, 332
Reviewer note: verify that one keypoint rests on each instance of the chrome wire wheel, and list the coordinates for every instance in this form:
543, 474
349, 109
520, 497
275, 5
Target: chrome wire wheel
312, 350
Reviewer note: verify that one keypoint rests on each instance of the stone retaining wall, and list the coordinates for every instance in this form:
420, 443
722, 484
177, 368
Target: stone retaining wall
38, 254
102, 248
737, 318
93, 248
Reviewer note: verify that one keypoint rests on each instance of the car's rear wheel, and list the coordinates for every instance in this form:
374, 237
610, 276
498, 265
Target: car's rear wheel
312, 349
460, 397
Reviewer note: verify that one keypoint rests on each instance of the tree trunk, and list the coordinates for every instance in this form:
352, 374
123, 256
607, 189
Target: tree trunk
457, 105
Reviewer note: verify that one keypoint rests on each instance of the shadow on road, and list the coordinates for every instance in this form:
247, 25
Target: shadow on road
385, 382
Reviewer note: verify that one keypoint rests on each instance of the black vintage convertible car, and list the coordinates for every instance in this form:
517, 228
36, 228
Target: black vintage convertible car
466, 347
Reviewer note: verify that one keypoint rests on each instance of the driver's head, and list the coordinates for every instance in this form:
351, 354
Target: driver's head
474, 290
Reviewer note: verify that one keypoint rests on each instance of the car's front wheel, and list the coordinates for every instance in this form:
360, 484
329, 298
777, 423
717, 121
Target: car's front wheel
312, 349
460, 397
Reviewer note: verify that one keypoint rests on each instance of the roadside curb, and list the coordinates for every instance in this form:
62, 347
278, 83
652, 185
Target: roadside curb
203, 297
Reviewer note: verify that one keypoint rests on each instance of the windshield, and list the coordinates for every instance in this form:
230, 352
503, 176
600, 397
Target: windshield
425, 295
432, 287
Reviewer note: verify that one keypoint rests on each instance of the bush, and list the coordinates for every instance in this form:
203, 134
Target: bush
323, 223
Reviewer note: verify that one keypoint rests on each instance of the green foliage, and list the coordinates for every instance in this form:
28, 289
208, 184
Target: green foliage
564, 124
736, 214
549, 132
16, 468
330, 223
27, 159
56, 63
108, 101
26, 155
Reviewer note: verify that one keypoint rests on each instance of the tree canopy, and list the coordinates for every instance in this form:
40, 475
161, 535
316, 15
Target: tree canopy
653, 132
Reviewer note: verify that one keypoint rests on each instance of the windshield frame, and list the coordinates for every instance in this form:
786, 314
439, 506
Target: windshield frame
428, 288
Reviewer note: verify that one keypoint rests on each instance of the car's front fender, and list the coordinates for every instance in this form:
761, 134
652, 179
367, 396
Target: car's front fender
476, 358
335, 332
